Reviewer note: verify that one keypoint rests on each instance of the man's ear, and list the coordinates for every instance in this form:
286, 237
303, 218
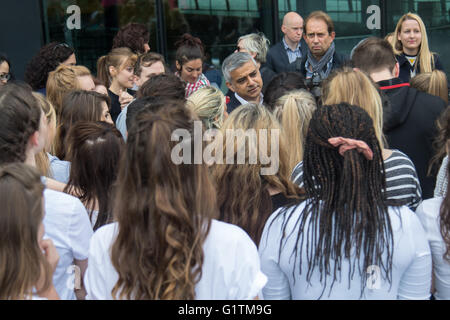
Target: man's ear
333, 35
396, 71
230, 86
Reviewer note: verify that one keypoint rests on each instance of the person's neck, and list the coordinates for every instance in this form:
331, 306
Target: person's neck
116, 87
256, 101
410, 52
382, 75
291, 45
317, 57
30, 158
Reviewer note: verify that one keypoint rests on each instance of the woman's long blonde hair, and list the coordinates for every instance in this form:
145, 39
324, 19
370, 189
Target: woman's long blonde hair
243, 192
356, 88
294, 111
42, 161
209, 104
424, 57
434, 83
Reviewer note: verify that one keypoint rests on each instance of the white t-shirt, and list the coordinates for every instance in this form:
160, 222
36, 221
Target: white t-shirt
230, 270
428, 213
67, 223
411, 275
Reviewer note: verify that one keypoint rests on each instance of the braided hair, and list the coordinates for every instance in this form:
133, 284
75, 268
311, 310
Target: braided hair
346, 215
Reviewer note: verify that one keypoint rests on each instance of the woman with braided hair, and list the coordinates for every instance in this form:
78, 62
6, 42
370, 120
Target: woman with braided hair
165, 243
346, 241
356, 88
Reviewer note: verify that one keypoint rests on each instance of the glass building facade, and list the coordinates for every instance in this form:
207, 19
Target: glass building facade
219, 23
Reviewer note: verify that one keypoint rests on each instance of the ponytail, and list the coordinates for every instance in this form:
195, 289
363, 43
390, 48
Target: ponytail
103, 71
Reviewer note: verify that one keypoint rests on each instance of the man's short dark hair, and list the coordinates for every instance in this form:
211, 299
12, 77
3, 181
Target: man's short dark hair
163, 86
373, 55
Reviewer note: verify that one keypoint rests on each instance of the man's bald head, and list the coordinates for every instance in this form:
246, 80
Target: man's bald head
292, 28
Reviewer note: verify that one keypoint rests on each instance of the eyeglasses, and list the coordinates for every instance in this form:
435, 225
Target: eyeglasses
5, 76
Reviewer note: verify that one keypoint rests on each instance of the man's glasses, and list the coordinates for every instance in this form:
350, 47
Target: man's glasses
5, 76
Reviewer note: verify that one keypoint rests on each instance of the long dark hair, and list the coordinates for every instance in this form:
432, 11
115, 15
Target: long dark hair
163, 210
444, 217
77, 106
21, 260
94, 151
346, 208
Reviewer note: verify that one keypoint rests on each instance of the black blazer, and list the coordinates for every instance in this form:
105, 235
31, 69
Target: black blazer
234, 102
278, 60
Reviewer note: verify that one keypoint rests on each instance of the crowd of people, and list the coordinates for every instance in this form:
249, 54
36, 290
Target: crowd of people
96, 207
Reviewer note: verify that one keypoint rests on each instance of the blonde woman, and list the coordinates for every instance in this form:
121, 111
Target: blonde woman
210, 106
434, 83
294, 111
355, 88
66, 79
410, 43
249, 187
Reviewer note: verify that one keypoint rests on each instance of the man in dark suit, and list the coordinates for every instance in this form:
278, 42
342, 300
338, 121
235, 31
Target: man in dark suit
409, 121
243, 78
282, 56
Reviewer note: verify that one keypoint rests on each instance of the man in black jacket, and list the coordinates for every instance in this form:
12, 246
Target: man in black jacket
409, 121
283, 55
322, 57
243, 78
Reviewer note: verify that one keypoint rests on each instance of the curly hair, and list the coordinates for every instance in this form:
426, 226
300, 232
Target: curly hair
133, 36
281, 85
20, 118
164, 211
46, 60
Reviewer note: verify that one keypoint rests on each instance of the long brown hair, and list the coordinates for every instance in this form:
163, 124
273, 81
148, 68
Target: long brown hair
77, 106
163, 211
444, 216
94, 151
243, 193
21, 260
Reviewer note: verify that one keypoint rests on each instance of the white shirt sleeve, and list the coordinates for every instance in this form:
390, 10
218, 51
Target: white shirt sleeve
277, 287
428, 213
80, 232
415, 283
247, 280
100, 275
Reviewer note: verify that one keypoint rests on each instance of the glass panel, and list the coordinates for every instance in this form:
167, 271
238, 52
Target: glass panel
218, 23
349, 17
100, 21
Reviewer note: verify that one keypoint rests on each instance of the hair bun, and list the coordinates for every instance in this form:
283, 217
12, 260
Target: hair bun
190, 41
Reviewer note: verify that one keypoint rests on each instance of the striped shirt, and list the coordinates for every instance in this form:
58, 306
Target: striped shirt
402, 182
201, 82
292, 54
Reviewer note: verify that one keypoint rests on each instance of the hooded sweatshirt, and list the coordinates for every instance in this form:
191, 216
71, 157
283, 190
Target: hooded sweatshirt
409, 125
